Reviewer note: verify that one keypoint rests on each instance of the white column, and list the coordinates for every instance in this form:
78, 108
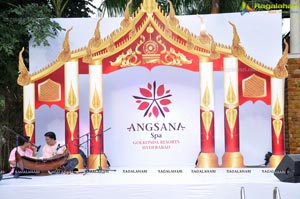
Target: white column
295, 26
207, 83
72, 107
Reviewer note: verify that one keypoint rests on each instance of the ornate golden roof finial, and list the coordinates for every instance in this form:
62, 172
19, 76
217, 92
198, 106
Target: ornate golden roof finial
280, 69
97, 35
213, 53
23, 78
204, 36
93, 43
126, 21
172, 19
149, 5
88, 57
65, 55
236, 49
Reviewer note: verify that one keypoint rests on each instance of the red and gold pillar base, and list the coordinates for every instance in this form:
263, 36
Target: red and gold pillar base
275, 160
80, 164
96, 161
233, 160
207, 160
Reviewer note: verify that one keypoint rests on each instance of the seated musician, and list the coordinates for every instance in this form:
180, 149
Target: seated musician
24, 149
53, 147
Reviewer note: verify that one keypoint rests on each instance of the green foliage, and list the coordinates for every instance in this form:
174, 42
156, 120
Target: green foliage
21, 21
18, 24
78, 8
24, 22
182, 7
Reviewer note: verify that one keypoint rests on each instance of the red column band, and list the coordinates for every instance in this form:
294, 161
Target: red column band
278, 143
207, 142
232, 138
96, 142
72, 142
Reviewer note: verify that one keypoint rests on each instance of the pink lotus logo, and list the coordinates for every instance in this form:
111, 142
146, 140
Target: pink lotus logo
154, 100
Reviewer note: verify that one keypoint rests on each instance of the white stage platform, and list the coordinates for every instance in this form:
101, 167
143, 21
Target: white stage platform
154, 183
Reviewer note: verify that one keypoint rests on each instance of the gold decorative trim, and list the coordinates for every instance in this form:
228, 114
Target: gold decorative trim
125, 60
24, 78
169, 31
207, 115
254, 87
280, 70
96, 122
189, 44
96, 102
231, 116
207, 120
206, 96
277, 109
29, 128
277, 126
175, 59
65, 55
29, 113
231, 96
72, 100
72, 121
49, 91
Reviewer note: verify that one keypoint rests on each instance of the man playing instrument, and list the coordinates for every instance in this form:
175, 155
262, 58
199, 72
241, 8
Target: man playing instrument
53, 148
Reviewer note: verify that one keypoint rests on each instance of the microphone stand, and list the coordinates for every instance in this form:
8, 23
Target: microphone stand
22, 137
100, 169
87, 151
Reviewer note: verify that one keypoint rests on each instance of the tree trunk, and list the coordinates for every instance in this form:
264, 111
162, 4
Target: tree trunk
215, 6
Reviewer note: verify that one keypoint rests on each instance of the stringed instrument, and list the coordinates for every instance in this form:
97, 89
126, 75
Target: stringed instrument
46, 164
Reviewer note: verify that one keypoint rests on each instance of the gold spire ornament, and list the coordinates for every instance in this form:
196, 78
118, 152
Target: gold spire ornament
280, 71
231, 97
173, 21
213, 53
71, 97
65, 55
207, 114
204, 37
149, 6
24, 78
93, 43
29, 113
236, 49
277, 115
126, 21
